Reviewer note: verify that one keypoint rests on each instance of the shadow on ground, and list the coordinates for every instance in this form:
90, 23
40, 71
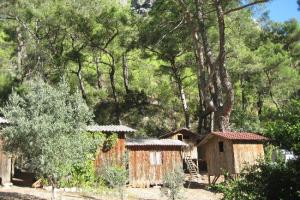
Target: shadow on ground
17, 196
194, 185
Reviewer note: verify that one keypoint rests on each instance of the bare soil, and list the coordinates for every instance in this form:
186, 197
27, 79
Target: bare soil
196, 191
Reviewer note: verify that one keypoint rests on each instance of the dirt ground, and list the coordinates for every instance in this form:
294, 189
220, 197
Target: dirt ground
196, 191
25, 193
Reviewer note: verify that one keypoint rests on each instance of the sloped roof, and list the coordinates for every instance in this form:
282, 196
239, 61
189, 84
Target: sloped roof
153, 142
240, 136
182, 131
3, 121
110, 128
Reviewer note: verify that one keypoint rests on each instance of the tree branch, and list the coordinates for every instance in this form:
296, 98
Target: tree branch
245, 6
173, 29
111, 39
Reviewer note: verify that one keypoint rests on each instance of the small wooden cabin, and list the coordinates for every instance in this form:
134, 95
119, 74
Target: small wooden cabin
150, 159
5, 161
231, 151
116, 153
191, 139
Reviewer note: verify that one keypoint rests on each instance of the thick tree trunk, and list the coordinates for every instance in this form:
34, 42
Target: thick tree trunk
125, 72
181, 92
225, 78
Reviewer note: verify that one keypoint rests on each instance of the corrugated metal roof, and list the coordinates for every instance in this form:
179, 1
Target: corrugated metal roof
3, 121
240, 136
110, 128
153, 142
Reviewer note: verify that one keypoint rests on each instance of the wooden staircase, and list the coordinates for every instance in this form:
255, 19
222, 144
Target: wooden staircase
192, 167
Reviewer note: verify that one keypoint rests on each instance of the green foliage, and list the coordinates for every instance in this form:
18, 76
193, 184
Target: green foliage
110, 141
264, 181
285, 127
273, 153
116, 176
173, 181
82, 175
47, 124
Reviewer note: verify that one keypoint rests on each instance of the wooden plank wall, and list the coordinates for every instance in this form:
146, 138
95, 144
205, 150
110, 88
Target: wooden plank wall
114, 156
5, 166
142, 173
192, 149
218, 161
246, 154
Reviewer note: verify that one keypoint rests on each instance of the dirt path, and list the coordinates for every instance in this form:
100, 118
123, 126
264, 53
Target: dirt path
26, 193
188, 194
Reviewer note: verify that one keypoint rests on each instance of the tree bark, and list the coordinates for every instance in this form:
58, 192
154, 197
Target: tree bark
125, 72
243, 96
21, 54
53, 186
80, 80
179, 84
225, 78
112, 82
206, 105
99, 73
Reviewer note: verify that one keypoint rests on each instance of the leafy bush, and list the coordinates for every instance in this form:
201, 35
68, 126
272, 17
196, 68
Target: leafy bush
173, 182
264, 181
285, 130
116, 176
110, 141
82, 175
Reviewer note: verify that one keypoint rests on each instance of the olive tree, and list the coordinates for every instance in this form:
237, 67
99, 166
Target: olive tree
173, 181
47, 128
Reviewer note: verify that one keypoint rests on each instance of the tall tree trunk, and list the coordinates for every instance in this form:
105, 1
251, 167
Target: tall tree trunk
21, 54
112, 72
178, 81
225, 78
125, 72
80, 80
260, 103
270, 90
99, 73
243, 96
113, 87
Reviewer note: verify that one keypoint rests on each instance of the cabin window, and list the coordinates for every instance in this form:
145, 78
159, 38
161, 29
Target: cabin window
179, 137
155, 158
221, 147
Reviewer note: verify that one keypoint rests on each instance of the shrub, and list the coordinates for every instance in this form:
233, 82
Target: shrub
173, 184
116, 176
82, 175
264, 181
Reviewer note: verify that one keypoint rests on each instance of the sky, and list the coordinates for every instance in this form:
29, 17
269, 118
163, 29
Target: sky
283, 10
